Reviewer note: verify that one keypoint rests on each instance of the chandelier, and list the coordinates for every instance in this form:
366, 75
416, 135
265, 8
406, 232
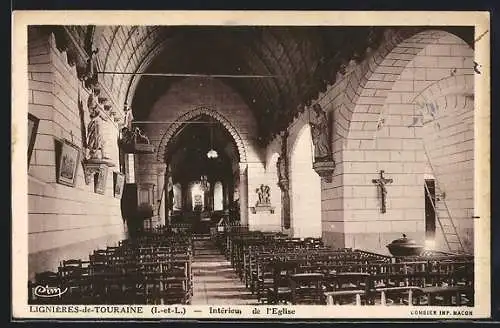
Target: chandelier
212, 153
205, 185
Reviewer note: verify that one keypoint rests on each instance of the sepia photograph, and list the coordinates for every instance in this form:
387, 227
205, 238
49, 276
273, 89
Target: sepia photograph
293, 166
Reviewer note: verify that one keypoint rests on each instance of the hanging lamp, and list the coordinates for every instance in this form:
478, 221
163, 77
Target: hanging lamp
212, 153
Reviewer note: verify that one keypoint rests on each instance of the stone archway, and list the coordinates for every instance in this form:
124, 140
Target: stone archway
241, 151
203, 110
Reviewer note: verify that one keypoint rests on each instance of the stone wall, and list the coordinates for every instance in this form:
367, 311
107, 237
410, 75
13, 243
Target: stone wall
388, 132
378, 125
64, 222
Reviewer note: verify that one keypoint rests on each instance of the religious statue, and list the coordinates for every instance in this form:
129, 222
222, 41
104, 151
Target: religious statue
140, 137
320, 135
263, 192
95, 141
267, 195
128, 117
264, 202
282, 174
133, 136
381, 182
281, 165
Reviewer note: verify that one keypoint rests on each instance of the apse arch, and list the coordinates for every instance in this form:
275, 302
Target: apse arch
202, 110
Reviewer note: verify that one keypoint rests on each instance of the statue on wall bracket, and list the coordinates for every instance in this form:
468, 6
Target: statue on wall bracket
95, 157
323, 163
264, 200
283, 182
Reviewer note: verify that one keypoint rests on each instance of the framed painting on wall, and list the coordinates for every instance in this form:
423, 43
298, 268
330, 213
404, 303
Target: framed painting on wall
118, 183
32, 130
68, 163
100, 180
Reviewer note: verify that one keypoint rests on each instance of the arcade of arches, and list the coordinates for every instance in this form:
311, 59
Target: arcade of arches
397, 100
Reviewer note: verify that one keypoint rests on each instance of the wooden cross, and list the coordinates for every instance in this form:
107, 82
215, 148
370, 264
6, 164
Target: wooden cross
381, 182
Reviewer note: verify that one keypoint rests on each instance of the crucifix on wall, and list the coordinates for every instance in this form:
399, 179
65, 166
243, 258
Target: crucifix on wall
381, 182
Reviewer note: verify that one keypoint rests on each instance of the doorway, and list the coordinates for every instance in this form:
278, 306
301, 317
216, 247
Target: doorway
430, 209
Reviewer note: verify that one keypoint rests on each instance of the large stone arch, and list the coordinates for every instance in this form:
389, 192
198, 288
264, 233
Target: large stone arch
387, 113
305, 186
202, 110
367, 89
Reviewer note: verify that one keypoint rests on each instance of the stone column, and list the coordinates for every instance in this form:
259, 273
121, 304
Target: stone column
225, 195
161, 192
243, 192
185, 195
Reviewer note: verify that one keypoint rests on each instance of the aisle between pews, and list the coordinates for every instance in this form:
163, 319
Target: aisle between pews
214, 280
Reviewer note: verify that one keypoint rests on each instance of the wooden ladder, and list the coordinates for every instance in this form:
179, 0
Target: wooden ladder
450, 233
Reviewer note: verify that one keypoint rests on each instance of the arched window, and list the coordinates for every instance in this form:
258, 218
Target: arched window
197, 199
130, 169
177, 197
218, 197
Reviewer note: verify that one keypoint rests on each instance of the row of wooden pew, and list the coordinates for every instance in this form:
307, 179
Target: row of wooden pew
278, 269
152, 269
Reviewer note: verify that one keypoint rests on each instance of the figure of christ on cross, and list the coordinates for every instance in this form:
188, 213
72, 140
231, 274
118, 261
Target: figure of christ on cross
381, 182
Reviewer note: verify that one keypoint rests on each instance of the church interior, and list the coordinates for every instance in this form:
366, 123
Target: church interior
323, 165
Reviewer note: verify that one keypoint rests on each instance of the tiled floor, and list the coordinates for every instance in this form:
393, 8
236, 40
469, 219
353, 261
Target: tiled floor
215, 281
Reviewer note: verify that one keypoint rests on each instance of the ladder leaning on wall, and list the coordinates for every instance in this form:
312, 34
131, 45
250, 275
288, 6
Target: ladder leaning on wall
448, 228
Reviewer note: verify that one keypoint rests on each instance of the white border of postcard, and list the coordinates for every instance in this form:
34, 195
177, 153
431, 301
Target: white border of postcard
21, 19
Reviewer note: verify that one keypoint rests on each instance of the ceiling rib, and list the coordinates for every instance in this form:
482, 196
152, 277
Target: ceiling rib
111, 44
123, 46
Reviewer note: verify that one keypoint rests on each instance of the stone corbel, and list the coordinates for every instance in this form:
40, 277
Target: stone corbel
76, 56
262, 208
243, 167
325, 170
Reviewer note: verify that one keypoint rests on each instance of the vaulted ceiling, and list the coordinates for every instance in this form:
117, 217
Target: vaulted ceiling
293, 64
289, 62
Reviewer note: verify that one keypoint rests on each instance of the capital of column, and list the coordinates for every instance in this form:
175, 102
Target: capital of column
161, 168
243, 167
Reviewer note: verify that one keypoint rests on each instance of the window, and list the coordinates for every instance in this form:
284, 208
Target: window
218, 197
130, 169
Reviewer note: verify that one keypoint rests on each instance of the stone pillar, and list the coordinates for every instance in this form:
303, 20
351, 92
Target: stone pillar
186, 197
243, 192
161, 192
225, 195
